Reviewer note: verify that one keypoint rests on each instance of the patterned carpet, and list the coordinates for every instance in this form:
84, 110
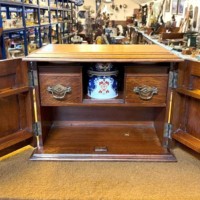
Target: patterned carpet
24, 179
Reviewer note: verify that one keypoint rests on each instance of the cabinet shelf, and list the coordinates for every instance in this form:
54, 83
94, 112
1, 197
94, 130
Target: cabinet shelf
191, 93
13, 91
188, 140
18, 138
88, 143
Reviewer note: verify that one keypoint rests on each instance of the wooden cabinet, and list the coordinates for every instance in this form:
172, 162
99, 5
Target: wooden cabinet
68, 125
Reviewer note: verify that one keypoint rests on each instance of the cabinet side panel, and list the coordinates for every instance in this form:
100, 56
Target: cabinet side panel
9, 117
193, 118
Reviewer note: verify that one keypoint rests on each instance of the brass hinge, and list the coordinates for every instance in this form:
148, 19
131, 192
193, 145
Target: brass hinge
168, 130
37, 128
33, 79
167, 134
173, 79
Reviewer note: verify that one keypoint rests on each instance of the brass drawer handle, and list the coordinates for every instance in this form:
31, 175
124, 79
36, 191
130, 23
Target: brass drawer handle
59, 91
145, 92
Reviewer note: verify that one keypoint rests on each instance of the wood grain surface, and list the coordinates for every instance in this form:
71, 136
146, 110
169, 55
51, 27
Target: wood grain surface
102, 53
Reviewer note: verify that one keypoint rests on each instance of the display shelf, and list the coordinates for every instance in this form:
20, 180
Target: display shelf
13, 91
31, 5
187, 139
11, 3
25, 15
190, 93
10, 30
18, 138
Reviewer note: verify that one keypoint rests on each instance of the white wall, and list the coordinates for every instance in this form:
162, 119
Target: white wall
123, 12
115, 15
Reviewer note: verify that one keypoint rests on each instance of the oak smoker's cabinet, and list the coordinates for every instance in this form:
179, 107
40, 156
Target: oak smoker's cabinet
43, 101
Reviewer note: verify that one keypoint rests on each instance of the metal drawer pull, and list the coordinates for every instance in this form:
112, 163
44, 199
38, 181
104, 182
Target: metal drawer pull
59, 91
145, 92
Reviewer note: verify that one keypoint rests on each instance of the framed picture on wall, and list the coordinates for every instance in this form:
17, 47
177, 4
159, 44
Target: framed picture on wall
167, 5
181, 6
174, 7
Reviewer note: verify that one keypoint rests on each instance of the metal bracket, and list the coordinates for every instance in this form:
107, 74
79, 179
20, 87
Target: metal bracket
167, 133
33, 78
173, 79
168, 130
37, 128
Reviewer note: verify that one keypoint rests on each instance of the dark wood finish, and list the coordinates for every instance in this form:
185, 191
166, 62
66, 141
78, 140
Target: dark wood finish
165, 36
80, 128
160, 82
122, 141
190, 93
15, 106
159, 123
103, 113
14, 141
188, 140
186, 105
8, 92
71, 79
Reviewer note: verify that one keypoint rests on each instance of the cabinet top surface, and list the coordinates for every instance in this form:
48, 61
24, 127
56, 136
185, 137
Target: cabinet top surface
102, 53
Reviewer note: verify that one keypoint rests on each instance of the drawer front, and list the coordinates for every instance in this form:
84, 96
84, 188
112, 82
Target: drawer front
49, 98
146, 89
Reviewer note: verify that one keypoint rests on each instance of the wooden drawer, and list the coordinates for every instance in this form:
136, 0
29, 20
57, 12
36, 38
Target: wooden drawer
69, 78
137, 89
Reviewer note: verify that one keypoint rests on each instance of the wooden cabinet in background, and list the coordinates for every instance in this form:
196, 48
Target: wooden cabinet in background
137, 125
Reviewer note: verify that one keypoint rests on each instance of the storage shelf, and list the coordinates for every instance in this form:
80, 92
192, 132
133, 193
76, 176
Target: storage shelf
33, 26
13, 91
13, 30
19, 138
37, 9
188, 140
44, 7
31, 5
80, 143
45, 24
11, 3
191, 93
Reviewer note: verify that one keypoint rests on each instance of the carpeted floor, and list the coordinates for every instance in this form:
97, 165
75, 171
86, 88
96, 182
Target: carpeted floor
24, 179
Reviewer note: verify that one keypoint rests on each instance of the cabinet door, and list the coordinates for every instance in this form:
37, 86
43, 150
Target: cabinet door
186, 106
16, 113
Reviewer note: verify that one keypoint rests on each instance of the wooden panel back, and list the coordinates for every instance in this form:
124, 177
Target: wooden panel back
9, 117
13, 73
103, 113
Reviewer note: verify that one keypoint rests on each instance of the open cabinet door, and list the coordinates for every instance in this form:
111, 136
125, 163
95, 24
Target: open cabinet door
16, 112
186, 106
